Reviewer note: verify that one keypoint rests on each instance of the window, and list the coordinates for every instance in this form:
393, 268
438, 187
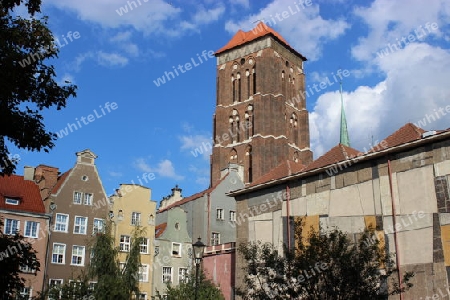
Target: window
25, 293
98, 226
58, 253
167, 274
31, 229
11, 226
143, 246
55, 282
92, 285
215, 238
76, 198
135, 218
143, 273
12, 201
232, 215
182, 275
78, 255
26, 269
80, 225
124, 243
87, 199
61, 223
142, 296
176, 249
121, 266
219, 214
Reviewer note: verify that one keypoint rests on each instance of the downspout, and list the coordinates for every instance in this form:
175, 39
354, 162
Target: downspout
45, 279
288, 198
397, 253
208, 233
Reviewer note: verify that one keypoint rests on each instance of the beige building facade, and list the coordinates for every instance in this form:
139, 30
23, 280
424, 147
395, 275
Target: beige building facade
132, 208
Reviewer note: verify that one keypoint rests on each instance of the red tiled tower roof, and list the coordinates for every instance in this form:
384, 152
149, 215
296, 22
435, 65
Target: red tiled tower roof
26, 191
262, 29
336, 154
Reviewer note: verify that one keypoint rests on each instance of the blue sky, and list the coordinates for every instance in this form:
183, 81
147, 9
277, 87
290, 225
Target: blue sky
397, 55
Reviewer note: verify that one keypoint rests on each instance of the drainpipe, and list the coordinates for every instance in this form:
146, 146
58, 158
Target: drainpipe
208, 233
288, 198
397, 253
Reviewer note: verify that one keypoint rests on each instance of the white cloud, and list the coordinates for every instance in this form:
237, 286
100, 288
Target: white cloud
111, 59
115, 174
164, 168
416, 85
389, 20
150, 17
303, 28
197, 144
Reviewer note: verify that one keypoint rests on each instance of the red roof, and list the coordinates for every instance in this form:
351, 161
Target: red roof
285, 169
405, 134
60, 181
193, 197
26, 191
262, 29
159, 229
336, 154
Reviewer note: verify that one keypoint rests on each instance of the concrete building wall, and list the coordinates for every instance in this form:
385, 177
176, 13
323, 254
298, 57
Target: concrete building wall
34, 280
360, 192
85, 179
129, 199
175, 232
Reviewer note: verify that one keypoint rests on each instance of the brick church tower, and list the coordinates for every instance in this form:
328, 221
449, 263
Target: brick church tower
260, 119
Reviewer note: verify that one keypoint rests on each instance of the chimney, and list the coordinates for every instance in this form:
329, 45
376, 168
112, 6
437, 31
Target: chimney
28, 173
46, 178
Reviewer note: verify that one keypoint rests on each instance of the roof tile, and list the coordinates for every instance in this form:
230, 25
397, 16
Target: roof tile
26, 191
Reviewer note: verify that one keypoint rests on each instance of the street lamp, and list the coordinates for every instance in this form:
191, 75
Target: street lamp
199, 249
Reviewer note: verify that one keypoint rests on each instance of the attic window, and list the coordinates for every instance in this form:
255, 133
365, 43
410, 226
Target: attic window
12, 201
84, 178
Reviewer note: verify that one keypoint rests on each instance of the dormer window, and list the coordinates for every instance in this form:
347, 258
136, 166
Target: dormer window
12, 201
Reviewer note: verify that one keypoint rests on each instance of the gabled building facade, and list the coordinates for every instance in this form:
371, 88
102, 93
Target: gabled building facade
79, 206
22, 210
173, 251
400, 188
132, 208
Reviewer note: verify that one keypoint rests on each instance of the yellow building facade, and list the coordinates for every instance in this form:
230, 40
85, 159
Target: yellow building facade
131, 206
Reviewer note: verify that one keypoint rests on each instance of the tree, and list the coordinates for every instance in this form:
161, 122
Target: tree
15, 252
27, 84
321, 266
207, 290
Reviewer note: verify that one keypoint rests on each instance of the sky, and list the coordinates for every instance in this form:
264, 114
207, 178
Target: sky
395, 55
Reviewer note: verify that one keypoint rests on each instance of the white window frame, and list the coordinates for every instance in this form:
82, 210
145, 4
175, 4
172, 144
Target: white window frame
215, 240
92, 285
63, 254
29, 292
60, 282
125, 244
83, 255
36, 233
179, 249
135, 218
77, 200
165, 274
88, 198
233, 215
219, 214
11, 231
183, 275
95, 227
26, 269
143, 246
142, 296
65, 224
12, 201
143, 276
80, 225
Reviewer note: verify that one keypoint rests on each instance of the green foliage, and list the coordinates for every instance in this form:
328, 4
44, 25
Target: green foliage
322, 266
206, 289
27, 84
15, 251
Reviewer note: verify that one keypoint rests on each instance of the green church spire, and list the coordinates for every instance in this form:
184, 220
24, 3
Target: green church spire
344, 139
